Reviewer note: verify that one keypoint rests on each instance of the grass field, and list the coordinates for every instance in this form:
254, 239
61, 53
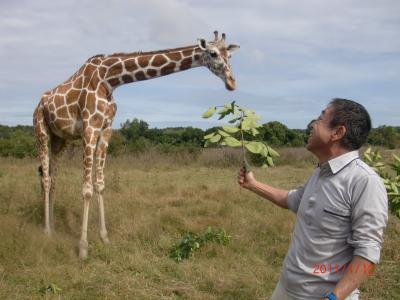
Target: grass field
151, 200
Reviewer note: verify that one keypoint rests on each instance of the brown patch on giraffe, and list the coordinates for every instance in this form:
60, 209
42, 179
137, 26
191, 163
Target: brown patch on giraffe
89, 70
53, 117
103, 91
52, 107
64, 88
86, 81
85, 114
96, 120
95, 61
78, 83
82, 99
152, 72
62, 112
91, 102
187, 53
115, 70
186, 63
197, 57
130, 65
63, 123
114, 82
102, 72
73, 111
111, 110
110, 61
59, 100
168, 69
72, 96
176, 56
144, 60
127, 78
158, 61
101, 106
140, 76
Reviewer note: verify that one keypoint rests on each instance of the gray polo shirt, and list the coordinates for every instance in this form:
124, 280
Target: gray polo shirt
341, 211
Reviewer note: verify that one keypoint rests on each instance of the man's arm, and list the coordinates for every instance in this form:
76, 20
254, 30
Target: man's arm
356, 272
276, 196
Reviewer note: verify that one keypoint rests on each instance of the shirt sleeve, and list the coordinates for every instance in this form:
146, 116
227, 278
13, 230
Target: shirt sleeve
294, 198
369, 217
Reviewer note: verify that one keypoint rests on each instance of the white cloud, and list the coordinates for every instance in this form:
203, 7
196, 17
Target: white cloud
294, 55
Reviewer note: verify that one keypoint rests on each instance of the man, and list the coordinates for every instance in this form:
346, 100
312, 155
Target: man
342, 211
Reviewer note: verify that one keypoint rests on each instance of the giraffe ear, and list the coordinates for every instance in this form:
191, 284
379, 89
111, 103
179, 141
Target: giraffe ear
232, 48
202, 44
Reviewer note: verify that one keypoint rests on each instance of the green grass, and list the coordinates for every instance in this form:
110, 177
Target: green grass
151, 201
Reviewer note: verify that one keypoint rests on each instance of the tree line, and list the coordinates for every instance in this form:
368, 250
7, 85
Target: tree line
135, 136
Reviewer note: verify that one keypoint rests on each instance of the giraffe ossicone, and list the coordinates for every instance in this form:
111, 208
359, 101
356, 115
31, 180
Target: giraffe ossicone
83, 107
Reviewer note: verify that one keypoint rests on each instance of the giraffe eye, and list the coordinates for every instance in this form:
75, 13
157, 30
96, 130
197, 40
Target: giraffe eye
213, 54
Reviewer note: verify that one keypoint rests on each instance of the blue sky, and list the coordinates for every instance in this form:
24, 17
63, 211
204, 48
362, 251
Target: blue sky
295, 55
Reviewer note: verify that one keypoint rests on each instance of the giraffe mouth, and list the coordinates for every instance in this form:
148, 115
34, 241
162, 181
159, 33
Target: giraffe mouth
230, 84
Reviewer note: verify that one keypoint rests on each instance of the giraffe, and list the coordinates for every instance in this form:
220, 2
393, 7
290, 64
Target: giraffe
83, 108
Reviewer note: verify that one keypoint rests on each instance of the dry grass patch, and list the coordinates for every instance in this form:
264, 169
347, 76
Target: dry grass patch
150, 202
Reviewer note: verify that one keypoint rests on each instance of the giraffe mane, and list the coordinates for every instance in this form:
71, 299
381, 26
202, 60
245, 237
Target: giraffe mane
123, 54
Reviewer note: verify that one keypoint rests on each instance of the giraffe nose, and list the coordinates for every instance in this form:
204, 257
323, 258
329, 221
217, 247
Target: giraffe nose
230, 83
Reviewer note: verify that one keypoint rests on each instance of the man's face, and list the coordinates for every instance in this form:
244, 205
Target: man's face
320, 136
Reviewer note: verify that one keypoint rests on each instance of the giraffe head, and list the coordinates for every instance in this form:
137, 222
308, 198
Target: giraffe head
215, 57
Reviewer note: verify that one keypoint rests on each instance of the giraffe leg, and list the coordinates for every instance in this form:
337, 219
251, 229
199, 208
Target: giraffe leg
101, 153
57, 147
89, 145
42, 134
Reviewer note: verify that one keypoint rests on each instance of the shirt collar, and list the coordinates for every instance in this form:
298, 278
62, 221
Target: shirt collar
338, 163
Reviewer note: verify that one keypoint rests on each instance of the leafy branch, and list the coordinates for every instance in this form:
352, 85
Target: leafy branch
191, 242
392, 183
244, 122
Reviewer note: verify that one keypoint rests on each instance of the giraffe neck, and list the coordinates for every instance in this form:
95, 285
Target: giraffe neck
127, 68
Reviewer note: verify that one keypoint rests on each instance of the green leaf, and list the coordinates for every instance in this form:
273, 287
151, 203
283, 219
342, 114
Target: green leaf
209, 113
254, 131
215, 138
223, 133
234, 120
209, 136
270, 161
232, 142
255, 147
230, 129
233, 106
272, 152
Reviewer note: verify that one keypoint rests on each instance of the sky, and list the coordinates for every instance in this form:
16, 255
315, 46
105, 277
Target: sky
294, 57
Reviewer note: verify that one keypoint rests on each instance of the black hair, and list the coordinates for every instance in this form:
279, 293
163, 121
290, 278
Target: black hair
355, 118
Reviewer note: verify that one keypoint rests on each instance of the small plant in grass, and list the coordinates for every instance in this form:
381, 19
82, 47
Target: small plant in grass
243, 122
392, 183
191, 242
52, 288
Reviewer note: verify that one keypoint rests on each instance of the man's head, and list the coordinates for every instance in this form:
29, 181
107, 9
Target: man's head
355, 118
344, 123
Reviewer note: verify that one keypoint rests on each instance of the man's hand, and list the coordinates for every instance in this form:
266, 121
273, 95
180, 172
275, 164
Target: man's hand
246, 179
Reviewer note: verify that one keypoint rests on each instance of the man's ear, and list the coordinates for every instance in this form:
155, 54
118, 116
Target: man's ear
232, 48
202, 44
339, 133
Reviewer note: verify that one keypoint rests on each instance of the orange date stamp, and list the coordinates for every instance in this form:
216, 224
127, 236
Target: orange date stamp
321, 269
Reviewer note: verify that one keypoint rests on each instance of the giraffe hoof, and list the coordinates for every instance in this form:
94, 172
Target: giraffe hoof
83, 254
83, 250
48, 232
105, 240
